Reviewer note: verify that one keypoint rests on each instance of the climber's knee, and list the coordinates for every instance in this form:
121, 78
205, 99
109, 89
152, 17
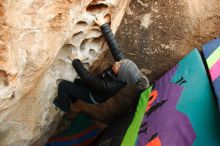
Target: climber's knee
62, 85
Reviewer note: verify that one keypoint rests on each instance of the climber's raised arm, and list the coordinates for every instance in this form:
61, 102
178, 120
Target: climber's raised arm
110, 38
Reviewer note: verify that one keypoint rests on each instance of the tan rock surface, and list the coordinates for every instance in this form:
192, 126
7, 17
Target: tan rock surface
35, 38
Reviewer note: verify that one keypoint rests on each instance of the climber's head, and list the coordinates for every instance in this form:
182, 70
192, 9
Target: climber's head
128, 72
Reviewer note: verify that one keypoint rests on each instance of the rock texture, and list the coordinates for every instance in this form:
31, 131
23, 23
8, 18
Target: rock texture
35, 38
37, 35
157, 34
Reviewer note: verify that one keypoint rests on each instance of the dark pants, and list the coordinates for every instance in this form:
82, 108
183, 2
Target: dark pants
74, 91
69, 92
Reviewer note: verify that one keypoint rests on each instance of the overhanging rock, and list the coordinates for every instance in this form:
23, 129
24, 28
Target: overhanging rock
35, 39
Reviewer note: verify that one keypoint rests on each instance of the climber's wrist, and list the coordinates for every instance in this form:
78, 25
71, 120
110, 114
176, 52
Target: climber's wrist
105, 28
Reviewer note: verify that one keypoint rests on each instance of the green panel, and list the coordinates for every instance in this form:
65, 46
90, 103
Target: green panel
132, 132
213, 58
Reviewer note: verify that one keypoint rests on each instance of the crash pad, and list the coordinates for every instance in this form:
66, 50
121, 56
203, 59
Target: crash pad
81, 132
181, 109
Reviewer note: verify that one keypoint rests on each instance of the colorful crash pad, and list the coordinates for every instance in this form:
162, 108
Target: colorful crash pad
181, 110
211, 52
81, 132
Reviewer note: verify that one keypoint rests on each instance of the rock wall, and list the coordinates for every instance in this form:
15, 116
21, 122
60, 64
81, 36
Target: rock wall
157, 34
35, 38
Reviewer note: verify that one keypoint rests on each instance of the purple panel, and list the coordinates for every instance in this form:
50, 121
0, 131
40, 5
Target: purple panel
163, 121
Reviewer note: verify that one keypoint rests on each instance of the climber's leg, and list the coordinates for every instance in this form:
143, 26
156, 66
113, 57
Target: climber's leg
62, 101
65, 88
77, 90
68, 91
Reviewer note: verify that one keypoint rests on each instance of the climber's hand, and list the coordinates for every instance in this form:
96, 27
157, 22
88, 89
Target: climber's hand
100, 19
79, 56
72, 56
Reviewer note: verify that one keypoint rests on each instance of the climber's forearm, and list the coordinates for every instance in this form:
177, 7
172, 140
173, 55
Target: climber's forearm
80, 69
87, 77
112, 43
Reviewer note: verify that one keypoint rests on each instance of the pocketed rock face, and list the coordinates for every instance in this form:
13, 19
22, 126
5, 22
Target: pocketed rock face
36, 37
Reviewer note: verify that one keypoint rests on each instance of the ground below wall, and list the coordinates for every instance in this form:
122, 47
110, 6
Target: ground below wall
156, 35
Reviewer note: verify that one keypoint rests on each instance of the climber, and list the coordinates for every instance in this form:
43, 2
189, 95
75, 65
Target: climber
95, 89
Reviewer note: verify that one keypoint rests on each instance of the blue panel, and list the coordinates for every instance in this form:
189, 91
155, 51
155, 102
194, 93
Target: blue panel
210, 47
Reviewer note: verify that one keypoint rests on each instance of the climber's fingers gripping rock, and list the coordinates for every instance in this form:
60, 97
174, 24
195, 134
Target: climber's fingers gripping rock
72, 56
102, 19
